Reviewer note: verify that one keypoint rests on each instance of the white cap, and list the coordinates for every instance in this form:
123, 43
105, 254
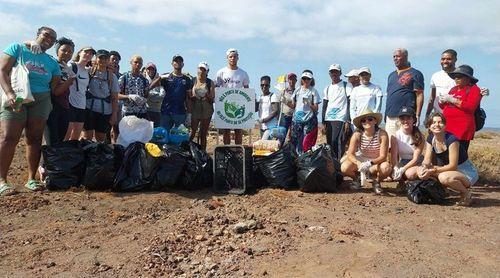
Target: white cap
364, 69
231, 50
334, 67
353, 72
203, 65
307, 74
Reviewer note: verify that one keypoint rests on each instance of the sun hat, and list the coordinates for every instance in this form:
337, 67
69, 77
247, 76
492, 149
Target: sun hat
351, 73
464, 70
366, 113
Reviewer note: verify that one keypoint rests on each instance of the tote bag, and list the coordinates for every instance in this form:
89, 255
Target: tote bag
19, 81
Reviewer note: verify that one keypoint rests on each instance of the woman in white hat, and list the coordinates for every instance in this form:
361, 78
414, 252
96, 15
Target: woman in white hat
367, 153
202, 99
306, 102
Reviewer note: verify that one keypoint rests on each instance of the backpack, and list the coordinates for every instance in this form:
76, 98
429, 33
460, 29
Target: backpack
74, 67
479, 114
425, 192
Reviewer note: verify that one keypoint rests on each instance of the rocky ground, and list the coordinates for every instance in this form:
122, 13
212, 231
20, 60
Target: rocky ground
272, 233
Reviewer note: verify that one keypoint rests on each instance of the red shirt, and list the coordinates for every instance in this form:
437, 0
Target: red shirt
460, 118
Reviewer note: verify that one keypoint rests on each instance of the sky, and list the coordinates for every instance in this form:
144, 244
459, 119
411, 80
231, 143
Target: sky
276, 37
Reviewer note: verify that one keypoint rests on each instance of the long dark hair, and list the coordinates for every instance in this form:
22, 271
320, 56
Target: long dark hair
417, 136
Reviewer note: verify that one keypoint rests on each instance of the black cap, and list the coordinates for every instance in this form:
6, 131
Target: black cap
406, 111
102, 52
115, 53
177, 57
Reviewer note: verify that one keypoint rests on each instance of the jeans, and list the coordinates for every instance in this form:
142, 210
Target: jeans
168, 121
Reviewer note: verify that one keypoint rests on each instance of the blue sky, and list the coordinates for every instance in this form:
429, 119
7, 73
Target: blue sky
274, 37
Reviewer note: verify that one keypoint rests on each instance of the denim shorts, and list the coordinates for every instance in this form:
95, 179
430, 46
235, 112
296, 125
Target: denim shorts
469, 171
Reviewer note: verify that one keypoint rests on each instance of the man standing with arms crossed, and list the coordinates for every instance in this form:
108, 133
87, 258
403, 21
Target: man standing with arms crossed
405, 87
232, 76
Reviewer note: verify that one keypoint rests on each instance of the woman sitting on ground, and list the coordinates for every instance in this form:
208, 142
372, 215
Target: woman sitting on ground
408, 144
367, 152
453, 168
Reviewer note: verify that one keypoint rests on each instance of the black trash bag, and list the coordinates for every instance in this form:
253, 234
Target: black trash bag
278, 168
198, 171
170, 168
64, 164
258, 179
316, 171
427, 191
102, 164
137, 171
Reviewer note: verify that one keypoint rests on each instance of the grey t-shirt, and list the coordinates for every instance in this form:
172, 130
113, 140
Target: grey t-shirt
99, 88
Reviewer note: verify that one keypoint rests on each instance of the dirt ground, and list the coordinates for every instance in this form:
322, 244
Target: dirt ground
272, 233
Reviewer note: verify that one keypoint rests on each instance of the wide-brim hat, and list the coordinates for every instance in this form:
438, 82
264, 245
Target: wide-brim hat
364, 114
464, 70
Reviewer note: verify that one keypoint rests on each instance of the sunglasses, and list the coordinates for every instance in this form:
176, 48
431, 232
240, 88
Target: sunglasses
367, 119
264, 85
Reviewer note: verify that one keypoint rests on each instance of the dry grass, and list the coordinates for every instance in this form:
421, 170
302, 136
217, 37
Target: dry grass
484, 153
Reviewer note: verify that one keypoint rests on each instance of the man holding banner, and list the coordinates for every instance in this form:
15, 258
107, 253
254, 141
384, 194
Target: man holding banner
232, 76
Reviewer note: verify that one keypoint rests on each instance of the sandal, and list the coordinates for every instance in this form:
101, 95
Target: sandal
34, 185
466, 199
6, 189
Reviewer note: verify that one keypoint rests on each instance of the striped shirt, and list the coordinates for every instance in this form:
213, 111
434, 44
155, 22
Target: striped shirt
370, 147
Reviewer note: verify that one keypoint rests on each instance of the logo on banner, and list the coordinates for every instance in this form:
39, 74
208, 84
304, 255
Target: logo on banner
234, 108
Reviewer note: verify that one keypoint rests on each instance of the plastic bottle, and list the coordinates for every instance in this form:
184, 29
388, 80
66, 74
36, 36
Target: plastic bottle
18, 104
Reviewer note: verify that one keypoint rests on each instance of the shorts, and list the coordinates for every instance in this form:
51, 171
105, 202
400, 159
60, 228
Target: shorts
97, 121
391, 126
469, 171
403, 162
77, 115
40, 108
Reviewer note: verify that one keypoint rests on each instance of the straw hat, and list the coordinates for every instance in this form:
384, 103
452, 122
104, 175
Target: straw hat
367, 113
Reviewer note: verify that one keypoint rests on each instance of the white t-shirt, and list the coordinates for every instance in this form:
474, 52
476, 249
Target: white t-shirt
336, 110
302, 109
77, 97
228, 78
365, 97
443, 84
265, 109
405, 147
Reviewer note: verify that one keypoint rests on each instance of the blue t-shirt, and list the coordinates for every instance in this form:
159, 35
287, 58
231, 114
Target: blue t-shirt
401, 88
176, 88
42, 67
444, 157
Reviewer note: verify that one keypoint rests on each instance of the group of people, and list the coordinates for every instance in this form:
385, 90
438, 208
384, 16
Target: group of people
84, 95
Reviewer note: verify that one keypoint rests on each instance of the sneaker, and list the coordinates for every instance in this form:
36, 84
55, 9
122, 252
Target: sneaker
34, 185
377, 188
466, 199
6, 189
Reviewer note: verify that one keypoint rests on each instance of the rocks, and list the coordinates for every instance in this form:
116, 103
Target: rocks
242, 227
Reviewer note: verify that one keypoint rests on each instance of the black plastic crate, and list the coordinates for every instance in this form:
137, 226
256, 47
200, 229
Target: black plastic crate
233, 169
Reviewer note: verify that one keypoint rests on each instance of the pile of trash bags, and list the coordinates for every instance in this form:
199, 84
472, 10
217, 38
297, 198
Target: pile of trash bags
313, 171
98, 166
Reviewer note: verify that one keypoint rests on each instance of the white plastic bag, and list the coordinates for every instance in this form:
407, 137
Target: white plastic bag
19, 81
133, 129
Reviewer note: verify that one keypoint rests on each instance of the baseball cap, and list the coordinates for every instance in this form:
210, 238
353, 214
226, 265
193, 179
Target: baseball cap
102, 52
291, 75
150, 65
406, 111
351, 73
307, 75
335, 67
204, 65
177, 57
85, 48
364, 69
231, 50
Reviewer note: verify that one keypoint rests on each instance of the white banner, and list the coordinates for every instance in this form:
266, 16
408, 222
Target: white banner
234, 108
